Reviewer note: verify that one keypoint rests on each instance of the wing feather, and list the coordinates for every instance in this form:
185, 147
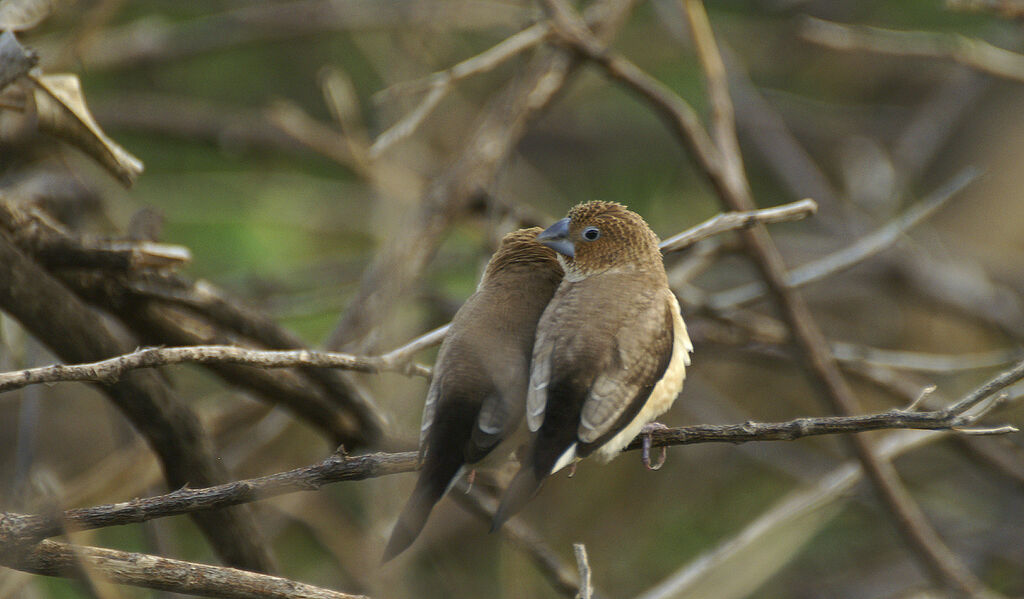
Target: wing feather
640, 354
540, 377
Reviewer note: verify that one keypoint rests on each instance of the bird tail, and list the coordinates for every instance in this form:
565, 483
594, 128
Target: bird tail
434, 481
522, 488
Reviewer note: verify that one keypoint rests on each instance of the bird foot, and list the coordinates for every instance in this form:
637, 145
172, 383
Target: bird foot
470, 477
645, 450
572, 469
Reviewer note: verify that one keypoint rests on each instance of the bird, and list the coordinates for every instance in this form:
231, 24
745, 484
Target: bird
477, 394
611, 350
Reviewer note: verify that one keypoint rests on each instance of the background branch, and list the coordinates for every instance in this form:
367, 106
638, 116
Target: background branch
50, 558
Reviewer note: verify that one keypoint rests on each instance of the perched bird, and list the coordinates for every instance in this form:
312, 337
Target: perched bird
611, 349
478, 393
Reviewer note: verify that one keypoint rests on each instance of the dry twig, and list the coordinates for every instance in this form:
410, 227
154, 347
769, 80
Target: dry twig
439, 84
107, 371
50, 558
969, 52
586, 589
732, 221
865, 247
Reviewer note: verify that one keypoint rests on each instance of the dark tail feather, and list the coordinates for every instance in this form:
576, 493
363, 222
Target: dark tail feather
413, 518
437, 473
522, 488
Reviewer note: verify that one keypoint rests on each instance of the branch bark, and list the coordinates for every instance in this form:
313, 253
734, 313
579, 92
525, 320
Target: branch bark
76, 333
51, 558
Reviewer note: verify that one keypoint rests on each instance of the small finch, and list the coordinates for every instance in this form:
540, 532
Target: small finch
611, 349
477, 395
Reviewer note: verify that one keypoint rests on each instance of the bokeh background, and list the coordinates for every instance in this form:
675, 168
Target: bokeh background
254, 121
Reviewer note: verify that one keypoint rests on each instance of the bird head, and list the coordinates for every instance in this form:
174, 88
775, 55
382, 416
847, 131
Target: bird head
599, 236
521, 249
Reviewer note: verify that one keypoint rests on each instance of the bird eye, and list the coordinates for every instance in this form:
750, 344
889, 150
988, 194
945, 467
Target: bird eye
591, 233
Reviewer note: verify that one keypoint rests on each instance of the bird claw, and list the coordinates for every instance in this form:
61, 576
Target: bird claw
645, 450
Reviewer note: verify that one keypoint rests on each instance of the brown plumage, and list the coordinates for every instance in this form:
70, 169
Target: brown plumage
478, 393
611, 349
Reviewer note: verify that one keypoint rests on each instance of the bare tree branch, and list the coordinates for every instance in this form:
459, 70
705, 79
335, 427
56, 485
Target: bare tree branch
19, 528
51, 558
75, 332
107, 371
920, 361
732, 221
163, 308
969, 52
586, 589
944, 566
150, 41
439, 84
864, 248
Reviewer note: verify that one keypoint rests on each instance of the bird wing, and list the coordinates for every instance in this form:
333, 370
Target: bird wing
540, 369
429, 409
637, 358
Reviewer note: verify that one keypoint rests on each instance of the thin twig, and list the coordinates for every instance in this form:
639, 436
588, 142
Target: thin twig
439, 84
77, 333
19, 528
150, 41
923, 362
859, 251
586, 590
731, 221
967, 51
51, 558
112, 369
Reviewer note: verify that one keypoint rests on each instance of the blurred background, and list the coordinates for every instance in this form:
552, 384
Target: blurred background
260, 126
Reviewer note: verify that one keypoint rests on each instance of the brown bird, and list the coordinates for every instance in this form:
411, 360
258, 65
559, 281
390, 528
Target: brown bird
611, 349
477, 396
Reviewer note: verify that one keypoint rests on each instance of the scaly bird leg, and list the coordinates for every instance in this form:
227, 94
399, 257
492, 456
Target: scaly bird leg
645, 451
